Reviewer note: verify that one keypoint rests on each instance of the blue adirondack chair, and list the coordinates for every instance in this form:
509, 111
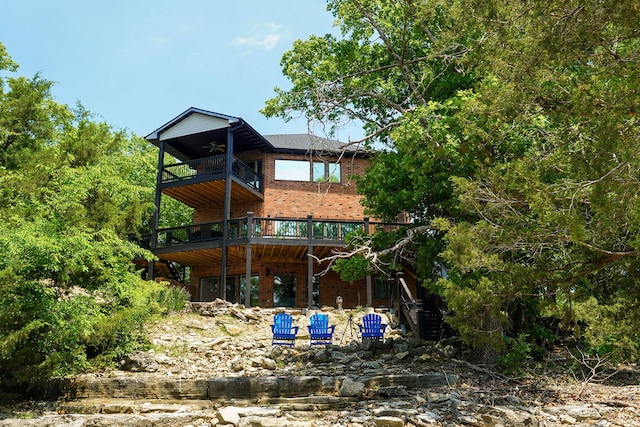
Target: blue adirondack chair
372, 327
320, 333
284, 333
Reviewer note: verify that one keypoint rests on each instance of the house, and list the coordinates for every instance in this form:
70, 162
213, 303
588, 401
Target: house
266, 208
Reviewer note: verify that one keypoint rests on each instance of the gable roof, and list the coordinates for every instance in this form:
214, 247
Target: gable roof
191, 134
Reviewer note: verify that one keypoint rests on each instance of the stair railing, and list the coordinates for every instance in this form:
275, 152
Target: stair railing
409, 307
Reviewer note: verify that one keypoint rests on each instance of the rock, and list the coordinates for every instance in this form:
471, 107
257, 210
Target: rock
367, 345
393, 391
350, 388
321, 356
400, 347
237, 313
567, 419
139, 362
427, 418
578, 412
394, 412
232, 330
267, 363
499, 415
403, 355
232, 414
388, 422
256, 421
163, 408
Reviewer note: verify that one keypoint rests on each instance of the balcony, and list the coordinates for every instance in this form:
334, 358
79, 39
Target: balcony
201, 182
321, 232
272, 238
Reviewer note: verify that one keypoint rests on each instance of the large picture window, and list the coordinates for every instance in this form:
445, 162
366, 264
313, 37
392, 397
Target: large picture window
303, 170
293, 170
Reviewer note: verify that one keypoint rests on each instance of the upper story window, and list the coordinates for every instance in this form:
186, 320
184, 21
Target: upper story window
303, 170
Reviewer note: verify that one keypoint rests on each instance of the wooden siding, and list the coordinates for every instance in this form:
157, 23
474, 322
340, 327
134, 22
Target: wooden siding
211, 193
193, 124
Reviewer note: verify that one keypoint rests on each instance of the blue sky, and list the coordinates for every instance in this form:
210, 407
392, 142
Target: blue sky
137, 64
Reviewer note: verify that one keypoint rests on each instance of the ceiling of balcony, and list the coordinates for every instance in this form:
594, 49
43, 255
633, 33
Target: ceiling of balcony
236, 255
211, 192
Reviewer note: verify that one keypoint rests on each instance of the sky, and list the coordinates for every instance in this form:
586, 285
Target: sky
137, 64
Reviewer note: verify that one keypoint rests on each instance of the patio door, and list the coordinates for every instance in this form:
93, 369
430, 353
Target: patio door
232, 289
284, 289
209, 288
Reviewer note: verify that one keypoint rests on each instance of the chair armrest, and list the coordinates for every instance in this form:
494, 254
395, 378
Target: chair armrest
332, 328
295, 328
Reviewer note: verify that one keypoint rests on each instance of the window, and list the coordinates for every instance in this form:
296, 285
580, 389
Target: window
302, 170
231, 289
318, 171
208, 288
284, 289
326, 172
333, 172
293, 170
380, 288
255, 281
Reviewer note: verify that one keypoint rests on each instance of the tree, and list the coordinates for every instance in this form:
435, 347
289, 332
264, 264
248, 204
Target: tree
558, 229
70, 190
511, 127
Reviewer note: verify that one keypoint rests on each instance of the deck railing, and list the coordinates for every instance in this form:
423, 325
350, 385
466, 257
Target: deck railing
210, 169
303, 229
189, 234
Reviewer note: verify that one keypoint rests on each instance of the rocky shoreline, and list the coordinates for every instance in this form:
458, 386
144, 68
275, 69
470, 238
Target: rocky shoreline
214, 365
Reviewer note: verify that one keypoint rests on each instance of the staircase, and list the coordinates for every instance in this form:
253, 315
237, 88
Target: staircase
425, 318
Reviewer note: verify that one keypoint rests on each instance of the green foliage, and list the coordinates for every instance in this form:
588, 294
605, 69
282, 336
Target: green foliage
352, 269
70, 188
514, 126
519, 352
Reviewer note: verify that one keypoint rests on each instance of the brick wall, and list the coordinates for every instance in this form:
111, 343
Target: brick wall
297, 199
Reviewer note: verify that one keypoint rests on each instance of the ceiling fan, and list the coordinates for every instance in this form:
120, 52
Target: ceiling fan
214, 147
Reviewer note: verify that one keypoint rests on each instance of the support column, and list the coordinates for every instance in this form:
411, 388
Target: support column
156, 212
247, 265
226, 213
369, 291
310, 262
309, 278
368, 287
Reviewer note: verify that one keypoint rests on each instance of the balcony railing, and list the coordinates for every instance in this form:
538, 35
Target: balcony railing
255, 228
210, 169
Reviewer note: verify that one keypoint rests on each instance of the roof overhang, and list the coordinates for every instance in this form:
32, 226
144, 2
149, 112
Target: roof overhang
191, 134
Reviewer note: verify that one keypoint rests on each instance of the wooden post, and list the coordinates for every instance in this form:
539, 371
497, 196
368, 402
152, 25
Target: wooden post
247, 265
310, 262
156, 213
368, 287
226, 213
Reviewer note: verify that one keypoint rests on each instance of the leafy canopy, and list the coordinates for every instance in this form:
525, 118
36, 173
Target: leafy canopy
70, 190
512, 127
